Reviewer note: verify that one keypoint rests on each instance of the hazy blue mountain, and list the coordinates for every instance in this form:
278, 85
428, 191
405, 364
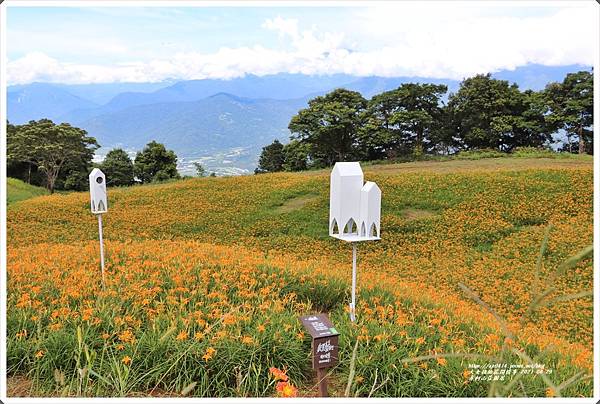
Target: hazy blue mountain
98, 93
281, 86
370, 86
535, 77
278, 86
101, 93
203, 128
39, 100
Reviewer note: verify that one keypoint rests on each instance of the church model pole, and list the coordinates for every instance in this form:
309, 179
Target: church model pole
354, 212
98, 206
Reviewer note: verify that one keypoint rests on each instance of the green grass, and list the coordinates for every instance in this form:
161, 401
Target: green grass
521, 152
18, 190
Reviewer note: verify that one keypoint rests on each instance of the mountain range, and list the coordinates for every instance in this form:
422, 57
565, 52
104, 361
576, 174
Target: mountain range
221, 123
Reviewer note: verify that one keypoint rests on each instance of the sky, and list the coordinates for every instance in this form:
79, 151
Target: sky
450, 40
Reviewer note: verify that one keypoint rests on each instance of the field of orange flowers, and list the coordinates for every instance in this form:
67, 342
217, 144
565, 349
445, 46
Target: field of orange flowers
206, 279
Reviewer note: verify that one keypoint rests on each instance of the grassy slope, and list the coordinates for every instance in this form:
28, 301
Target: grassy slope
475, 222
18, 190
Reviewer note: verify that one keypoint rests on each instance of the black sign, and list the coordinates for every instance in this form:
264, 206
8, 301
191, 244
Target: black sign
324, 340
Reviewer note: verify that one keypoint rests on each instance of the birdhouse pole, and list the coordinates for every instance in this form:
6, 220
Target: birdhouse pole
101, 247
98, 206
353, 304
354, 212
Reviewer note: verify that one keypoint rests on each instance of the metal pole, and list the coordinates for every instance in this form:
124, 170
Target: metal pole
353, 304
101, 247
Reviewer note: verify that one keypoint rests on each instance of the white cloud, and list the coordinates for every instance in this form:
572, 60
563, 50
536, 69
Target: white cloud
444, 41
284, 26
451, 41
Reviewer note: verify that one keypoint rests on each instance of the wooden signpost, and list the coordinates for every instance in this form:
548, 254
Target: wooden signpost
325, 346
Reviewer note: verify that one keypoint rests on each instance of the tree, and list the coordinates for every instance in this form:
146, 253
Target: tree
529, 127
407, 117
330, 125
443, 139
118, 168
74, 176
50, 147
271, 158
485, 111
16, 168
155, 163
295, 156
200, 170
380, 138
571, 105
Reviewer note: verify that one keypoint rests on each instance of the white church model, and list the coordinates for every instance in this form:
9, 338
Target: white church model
99, 201
354, 208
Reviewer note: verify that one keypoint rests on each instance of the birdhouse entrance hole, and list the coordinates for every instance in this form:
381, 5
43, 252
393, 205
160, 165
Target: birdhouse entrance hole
351, 227
373, 231
334, 227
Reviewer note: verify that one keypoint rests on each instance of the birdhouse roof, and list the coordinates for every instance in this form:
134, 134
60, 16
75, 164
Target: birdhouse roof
347, 169
370, 186
95, 173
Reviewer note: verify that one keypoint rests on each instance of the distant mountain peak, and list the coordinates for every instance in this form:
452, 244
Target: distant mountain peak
229, 96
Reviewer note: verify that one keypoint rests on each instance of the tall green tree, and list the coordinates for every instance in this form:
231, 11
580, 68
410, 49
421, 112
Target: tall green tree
571, 107
118, 168
155, 163
409, 115
271, 158
380, 137
295, 156
485, 111
16, 168
330, 125
523, 124
50, 148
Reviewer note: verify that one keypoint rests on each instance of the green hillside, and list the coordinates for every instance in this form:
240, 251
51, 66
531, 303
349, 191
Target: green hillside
206, 278
18, 190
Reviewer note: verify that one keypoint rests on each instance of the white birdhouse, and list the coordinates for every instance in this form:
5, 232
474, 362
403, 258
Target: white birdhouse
354, 208
354, 212
99, 201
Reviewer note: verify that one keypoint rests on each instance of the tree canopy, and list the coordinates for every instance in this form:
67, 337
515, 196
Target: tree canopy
403, 120
570, 106
118, 168
271, 159
53, 150
330, 125
155, 163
